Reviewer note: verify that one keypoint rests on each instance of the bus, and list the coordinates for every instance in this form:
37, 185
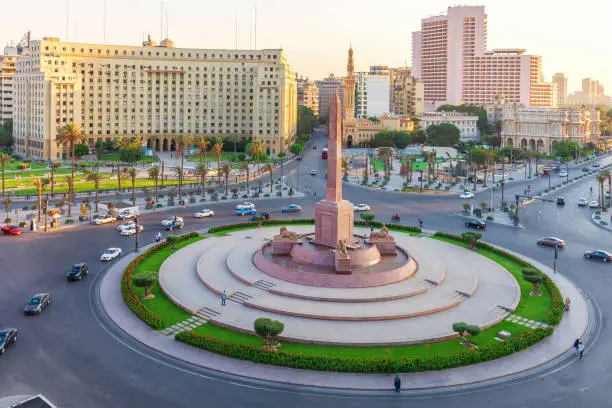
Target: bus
324, 153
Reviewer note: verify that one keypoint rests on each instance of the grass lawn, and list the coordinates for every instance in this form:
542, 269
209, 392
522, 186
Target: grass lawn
13, 165
161, 305
115, 158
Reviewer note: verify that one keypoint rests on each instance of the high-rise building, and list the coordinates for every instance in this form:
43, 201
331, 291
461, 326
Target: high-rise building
328, 88
308, 95
592, 93
156, 92
8, 65
450, 53
561, 80
406, 92
373, 92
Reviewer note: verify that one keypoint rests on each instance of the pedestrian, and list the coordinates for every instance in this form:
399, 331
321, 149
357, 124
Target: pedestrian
371, 229
397, 383
576, 346
567, 304
580, 350
223, 298
420, 223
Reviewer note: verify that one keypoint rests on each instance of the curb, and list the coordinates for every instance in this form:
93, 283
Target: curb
603, 227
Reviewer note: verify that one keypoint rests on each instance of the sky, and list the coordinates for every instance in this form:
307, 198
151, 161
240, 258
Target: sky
316, 34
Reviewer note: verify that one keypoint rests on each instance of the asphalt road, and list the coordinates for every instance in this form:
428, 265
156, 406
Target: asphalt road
67, 355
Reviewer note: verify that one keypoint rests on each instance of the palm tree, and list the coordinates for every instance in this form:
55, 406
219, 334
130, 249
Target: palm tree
182, 142
68, 137
120, 175
132, 174
95, 177
7, 206
54, 166
217, 149
4, 159
202, 142
606, 173
179, 173
269, 169
154, 174
385, 154
245, 166
226, 170
40, 184
70, 181
409, 169
256, 150
201, 171
235, 139
601, 179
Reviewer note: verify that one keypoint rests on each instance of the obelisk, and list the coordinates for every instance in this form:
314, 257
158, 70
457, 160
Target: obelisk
334, 216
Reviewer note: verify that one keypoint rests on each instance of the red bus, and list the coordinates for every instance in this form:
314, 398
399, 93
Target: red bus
324, 153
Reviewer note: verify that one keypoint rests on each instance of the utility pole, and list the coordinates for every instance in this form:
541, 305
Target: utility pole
421, 179
555, 259
137, 232
46, 207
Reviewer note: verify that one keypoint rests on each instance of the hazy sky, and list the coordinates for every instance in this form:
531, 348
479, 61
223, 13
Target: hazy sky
573, 37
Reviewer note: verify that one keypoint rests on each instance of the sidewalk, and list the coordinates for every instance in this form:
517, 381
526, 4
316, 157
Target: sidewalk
558, 345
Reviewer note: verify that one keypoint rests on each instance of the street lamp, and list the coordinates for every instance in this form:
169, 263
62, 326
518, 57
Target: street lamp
421, 180
137, 249
46, 206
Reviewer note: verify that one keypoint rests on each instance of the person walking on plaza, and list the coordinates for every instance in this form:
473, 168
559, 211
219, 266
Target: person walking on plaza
223, 298
576, 346
397, 383
420, 223
580, 350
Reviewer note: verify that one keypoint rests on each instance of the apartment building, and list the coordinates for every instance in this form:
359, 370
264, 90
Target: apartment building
592, 93
328, 88
407, 92
373, 92
8, 65
467, 125
561, 81
153, 91
308, 95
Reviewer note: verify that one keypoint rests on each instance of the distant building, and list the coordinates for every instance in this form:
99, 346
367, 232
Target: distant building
561, 80
373, 93
495, 109
592, 93
407, 92
8, 65
308, 95
360, 132
467, 125
328, 88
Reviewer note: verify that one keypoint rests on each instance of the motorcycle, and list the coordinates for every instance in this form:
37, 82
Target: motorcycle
395, 218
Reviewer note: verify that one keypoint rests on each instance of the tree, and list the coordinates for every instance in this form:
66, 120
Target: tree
566, 150
70, 181
235, 139
473, 110
130, 154
306, 120
383, 139
367, 217
601, 179
296, 148
466, 331
201, 171
385, 153
7, 207
608, 175
54, 166
419, 136
270, 170
245, 166
145, 280
443, 134
179, 174
154, 174
534, 277
466, 207
256, 150
483, 206
132, 173
226, 170
4, 159
217, 149
182, 142
95, 177
6, 133
471, 237
268, 329
81, 150
68, 137
120, 176
202, 143
40, 184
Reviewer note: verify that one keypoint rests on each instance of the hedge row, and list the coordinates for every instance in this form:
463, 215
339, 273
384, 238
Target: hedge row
555, 313
366, 365
131, 299
310, 221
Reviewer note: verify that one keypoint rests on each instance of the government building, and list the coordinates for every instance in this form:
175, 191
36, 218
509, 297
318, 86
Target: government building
153, 91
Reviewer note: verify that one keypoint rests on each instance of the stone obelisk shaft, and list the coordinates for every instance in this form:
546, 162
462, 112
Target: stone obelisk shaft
334, 153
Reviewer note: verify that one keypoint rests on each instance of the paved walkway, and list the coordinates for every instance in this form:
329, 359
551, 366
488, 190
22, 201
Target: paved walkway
572, 326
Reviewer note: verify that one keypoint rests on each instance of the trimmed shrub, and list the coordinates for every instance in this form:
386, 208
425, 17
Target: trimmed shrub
69, 221
22, 224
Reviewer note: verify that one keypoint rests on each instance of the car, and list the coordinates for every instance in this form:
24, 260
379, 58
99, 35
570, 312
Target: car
37, 304
127, 224
127, 215
313, 172
467, 194
8, 336
110, 254
77, 271
362, 207
178, 224
245, 205
476, 223
607, 195
560, 200
12, 230
246, 211
314, 147
551, 241
585, 169
204, 213
582, 202
595, 164
298, 158
603, 256
170, 220
562, 174
103, 219
594, 204
126, 232
291, 208
262, 214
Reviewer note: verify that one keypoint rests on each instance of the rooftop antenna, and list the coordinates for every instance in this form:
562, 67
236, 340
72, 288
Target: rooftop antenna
161, 22
167, 25
236, 31
67, 20
104, 23
255, 27
75, 30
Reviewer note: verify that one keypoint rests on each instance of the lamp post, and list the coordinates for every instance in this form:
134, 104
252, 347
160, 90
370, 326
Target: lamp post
421, 180
137, 249
548, 174
46, 206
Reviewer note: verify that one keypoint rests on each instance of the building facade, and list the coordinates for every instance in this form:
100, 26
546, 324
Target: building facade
8, 65
407, 92
561, 81
308, 95
152, 91
540, 129
467, 125
373, 93
328, 88
592, 93
360, 132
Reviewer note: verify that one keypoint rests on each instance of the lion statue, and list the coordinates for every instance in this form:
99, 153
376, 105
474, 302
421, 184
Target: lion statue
286, 234
382, 234
341, 248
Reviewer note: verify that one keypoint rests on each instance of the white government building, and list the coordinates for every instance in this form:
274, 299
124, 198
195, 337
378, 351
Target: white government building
468, 125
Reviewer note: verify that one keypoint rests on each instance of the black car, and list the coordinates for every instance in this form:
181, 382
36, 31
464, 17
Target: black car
598, 254
78, 271
178, 224
7, 337
560, 200
475, 223
586, 169
37, 304
263, 214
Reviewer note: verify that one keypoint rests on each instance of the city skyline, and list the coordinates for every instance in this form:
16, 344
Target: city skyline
189, 26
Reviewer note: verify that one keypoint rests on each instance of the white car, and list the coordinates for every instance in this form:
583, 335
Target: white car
594, 204
126, 224
110, 254
362, 207
204, 213
313, 172
103, 219
126, 232
582, 202
467, 194
245, 206
563, 174
607, 194
167, 221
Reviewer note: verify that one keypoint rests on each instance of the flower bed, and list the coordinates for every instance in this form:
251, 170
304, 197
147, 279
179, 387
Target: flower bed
306, 221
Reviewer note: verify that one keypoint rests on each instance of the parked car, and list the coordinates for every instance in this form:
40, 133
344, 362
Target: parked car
127, 224
246, 211
560, 200
245, 205
103, 219
37, 304
562, 174
8, 336
467, 194
291, 208
12, 230
362, 207
178, 224
110, 254
603, 256
169, 220
127, 215
126, 232
594, 204
595, 164
585, 169
204, 213
607, 194
582, 202
476, 223
551, 241
313, 172
77, 271
262, 214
